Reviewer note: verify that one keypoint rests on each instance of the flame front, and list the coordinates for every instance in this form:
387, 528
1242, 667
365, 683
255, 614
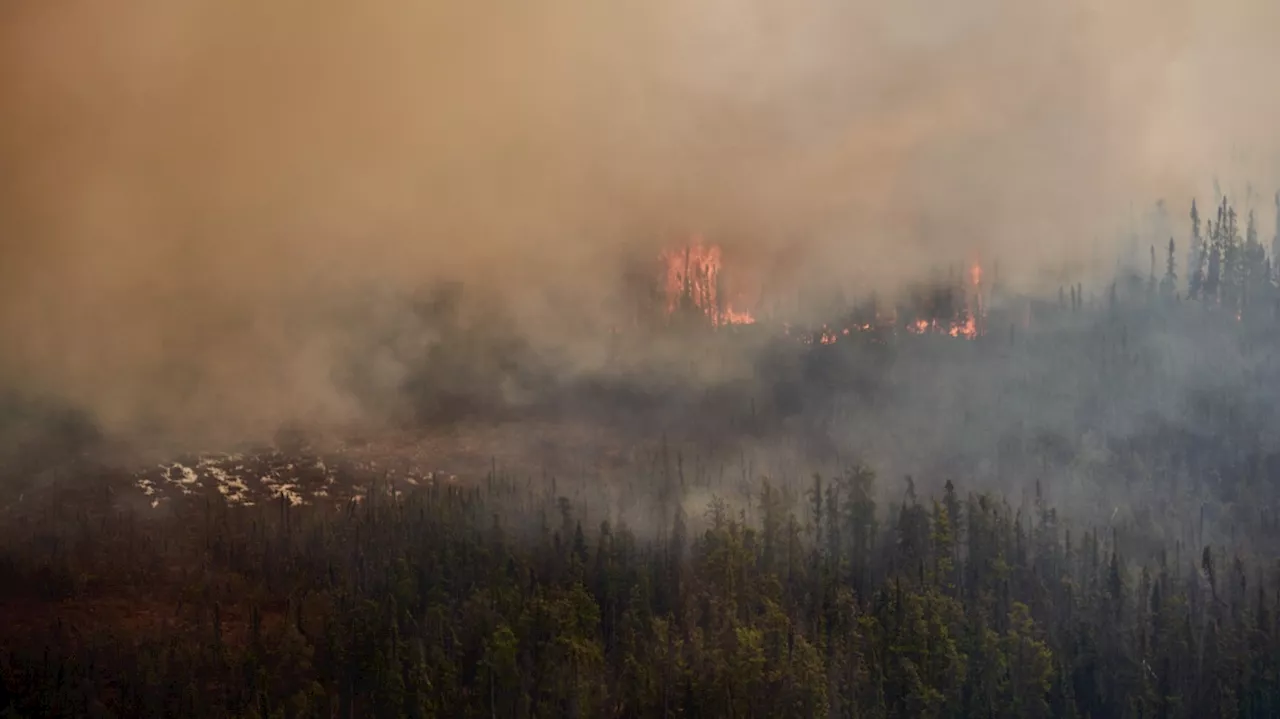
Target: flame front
693, 280
967, 329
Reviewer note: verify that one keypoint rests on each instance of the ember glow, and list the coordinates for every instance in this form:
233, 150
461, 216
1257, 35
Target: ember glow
967, 322
694, 280
967, 329
921, 326
694, 283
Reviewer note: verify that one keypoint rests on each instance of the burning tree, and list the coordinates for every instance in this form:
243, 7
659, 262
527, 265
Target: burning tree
693, 289
694, 285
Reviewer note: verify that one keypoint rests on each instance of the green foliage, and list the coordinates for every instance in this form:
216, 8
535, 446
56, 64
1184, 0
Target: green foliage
427, 606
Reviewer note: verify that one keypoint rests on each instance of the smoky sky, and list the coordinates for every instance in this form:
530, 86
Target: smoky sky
187, 185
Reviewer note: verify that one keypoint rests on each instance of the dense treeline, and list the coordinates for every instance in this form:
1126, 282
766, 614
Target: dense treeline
1147, 587
497, 600
660, 351
1226, 266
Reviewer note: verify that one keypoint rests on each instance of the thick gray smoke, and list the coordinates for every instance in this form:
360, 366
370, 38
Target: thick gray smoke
193, 190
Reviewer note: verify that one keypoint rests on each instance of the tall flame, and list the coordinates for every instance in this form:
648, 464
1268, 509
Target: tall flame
693, 280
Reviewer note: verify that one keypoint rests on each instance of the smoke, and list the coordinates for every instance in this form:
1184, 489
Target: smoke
193, 191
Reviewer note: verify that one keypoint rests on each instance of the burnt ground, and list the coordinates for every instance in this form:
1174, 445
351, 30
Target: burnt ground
323, 473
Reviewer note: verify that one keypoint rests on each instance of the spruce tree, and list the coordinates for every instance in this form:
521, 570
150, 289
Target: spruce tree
1232, 259
1254, 271
1196, 256
1169, 285
1213, 275
1275, 239
1151, 276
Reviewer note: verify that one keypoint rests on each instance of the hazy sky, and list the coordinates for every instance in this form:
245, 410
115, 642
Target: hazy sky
185, 182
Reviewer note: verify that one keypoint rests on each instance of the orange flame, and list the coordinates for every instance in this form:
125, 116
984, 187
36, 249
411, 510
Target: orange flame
692, 277
730, 316
967, 329
693, 280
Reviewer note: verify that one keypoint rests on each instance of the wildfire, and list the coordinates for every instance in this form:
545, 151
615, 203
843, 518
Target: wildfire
921, 326
968, 329
967, 323
693, 280
825, 336
730, 316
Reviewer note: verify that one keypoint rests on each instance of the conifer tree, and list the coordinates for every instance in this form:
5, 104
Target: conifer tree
1151, 276
1275, 239
1254, 271
1169, 285
1212, 279
1196, 256
1232, 258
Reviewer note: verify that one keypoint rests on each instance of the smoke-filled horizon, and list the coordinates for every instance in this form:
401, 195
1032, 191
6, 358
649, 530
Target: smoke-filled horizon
192, 191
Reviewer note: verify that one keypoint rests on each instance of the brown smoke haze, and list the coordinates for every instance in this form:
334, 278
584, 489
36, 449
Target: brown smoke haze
188, 188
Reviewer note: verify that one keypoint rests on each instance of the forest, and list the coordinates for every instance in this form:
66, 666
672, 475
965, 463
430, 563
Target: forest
1070, 512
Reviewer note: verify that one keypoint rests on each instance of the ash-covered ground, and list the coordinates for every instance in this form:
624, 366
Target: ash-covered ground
249, 479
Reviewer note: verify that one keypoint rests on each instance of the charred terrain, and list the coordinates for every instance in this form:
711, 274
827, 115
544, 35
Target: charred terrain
963, 501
